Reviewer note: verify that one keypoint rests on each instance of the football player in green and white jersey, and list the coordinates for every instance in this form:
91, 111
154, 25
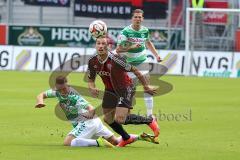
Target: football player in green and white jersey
88, 129
132, 43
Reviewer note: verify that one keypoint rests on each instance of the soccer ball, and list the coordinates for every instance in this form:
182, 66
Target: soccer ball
97, 29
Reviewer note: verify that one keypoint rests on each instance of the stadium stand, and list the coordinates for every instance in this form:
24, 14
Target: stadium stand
26, 14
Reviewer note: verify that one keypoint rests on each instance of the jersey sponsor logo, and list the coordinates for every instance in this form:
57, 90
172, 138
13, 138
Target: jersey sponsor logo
103, 73
138, 40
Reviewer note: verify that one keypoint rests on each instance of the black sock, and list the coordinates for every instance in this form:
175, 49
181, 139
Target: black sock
119, 129
136, 119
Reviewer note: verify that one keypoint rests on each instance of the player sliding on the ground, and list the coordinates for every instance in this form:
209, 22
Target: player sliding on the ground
88, 128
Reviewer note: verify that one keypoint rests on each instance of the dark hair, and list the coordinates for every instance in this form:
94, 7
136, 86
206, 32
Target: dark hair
61, 80
137, 11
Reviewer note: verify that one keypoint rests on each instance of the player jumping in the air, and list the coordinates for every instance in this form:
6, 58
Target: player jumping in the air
88, 128
132, 44
117, 100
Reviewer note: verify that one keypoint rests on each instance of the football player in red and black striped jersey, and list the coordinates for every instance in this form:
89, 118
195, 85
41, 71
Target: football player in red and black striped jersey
117, 99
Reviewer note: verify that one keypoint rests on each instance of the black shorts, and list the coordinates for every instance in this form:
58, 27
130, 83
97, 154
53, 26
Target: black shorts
122, 98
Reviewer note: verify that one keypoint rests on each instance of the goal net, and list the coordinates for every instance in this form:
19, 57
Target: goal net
210, 29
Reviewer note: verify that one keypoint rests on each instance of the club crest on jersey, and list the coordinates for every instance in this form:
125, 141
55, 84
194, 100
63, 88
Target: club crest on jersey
122, 38
95, 66
68, 102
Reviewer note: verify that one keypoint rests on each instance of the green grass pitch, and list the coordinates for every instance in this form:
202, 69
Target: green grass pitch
212, 132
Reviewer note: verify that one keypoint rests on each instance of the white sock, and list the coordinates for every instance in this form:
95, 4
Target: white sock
82, 142
149, 103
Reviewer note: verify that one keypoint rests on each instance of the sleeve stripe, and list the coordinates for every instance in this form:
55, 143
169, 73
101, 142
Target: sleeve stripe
115, 59
120, 62
93, 56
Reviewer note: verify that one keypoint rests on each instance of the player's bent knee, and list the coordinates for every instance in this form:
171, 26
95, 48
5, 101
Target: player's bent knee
68, 140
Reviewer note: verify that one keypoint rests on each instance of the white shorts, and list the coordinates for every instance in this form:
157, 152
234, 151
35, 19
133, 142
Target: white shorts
91, 129
143, 68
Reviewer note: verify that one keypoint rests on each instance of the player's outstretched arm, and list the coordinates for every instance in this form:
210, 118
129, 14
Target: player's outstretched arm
124, 45
91, 112
40, 100
148, 89
91, 79
122, 49
152, 48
